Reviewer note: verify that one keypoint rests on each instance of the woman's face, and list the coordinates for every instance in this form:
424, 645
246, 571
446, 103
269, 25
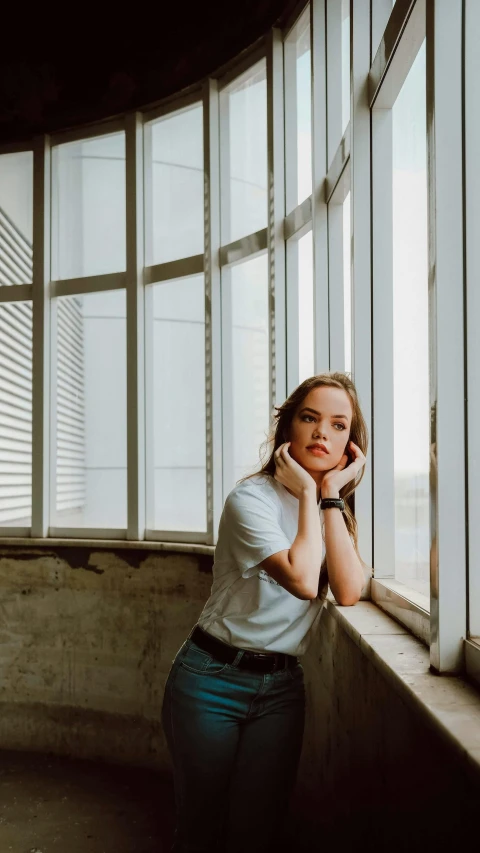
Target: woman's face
320, 429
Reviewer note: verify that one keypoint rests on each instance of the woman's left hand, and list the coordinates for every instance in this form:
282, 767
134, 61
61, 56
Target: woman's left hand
338, 477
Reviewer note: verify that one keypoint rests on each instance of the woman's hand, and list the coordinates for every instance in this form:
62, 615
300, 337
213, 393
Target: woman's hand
291, 474
338, 477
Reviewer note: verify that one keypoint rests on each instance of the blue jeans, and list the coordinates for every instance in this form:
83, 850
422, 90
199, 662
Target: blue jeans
235, 738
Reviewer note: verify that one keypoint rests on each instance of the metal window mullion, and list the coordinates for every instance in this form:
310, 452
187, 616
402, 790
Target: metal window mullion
472, 228
334, 76
361, 252
276, 213
135, 327
319, 172
213, 331
446, 275
41, 338
382, 345
335, 287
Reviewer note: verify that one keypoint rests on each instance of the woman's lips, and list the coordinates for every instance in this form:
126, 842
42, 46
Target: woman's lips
317, 451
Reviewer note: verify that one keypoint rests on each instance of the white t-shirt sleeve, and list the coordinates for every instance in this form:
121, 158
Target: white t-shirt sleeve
254, 532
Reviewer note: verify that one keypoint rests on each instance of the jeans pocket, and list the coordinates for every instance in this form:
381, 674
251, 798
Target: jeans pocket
199, 662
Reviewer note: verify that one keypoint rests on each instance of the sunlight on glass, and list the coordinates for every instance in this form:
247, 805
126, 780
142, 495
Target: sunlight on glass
88, 207
16, 414
91, 409
304, 109
250, 364
410, 305
246, 206
345, 64
16, 218
174, 201
305, 307
178, 404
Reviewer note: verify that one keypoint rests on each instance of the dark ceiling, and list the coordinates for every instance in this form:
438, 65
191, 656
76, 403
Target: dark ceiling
57, 72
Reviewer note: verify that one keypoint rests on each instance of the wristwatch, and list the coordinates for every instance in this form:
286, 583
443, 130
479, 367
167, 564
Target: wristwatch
332, 503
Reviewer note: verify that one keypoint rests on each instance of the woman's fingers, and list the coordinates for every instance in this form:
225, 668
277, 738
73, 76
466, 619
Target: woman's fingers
342, 463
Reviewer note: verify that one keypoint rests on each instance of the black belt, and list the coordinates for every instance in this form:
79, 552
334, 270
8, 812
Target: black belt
255, 661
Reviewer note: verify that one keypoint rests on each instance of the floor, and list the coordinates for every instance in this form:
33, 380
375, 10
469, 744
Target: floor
55, 805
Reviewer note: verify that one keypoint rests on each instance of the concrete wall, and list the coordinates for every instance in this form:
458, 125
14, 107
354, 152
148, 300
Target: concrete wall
87, 637
373, 774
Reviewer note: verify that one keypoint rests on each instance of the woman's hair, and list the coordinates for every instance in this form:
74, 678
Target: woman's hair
280, 433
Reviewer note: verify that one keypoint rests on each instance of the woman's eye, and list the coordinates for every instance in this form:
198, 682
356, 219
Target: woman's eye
308, 417
342, 426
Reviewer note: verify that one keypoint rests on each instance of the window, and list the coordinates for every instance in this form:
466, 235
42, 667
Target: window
244, 154
88, 207
176, 462
298, 107
89, 386
174, 186
16, 218
305, 307
16, 232
15, 414
246, 367
345, 64
410, 332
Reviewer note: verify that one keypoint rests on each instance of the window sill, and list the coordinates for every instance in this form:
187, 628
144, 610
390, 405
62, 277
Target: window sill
406, 605
117, 544
448, 703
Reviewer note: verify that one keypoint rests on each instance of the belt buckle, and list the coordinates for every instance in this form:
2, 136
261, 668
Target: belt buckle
276, 660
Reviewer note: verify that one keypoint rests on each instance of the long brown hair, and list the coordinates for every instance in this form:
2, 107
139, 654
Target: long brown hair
280, 432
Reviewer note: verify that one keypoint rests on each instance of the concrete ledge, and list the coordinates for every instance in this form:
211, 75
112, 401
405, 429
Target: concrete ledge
447, 702
115, 544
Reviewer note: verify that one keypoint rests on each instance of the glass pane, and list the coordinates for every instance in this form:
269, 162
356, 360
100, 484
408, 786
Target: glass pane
16, 218
304, 108
345, 64
347, 287
16, 414
245, 141
250, 363
305, 307
174, 200
91, 411
410, 311
88, 207
179, 405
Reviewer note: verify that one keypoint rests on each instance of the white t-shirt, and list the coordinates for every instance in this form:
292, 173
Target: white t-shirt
247, 608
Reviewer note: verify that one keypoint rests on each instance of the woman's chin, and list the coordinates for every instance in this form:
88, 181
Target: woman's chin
311, 464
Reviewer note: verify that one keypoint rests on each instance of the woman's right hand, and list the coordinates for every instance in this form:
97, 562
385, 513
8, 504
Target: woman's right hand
291, 474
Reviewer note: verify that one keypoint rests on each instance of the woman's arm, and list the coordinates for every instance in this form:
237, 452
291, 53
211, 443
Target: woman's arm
345, 571
298, 568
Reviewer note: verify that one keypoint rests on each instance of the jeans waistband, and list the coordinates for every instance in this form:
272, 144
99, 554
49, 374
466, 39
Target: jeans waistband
254, 661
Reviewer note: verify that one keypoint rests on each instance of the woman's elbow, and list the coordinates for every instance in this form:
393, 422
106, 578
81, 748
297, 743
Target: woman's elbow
347, 600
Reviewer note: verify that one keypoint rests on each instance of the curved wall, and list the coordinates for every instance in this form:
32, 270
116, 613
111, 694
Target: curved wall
87, 637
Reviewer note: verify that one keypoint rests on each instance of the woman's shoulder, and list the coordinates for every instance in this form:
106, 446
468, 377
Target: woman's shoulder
258, 488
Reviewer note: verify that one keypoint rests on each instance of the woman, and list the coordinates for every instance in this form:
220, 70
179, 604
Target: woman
234, 703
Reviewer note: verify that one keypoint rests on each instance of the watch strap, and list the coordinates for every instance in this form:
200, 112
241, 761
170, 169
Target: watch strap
332, 503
